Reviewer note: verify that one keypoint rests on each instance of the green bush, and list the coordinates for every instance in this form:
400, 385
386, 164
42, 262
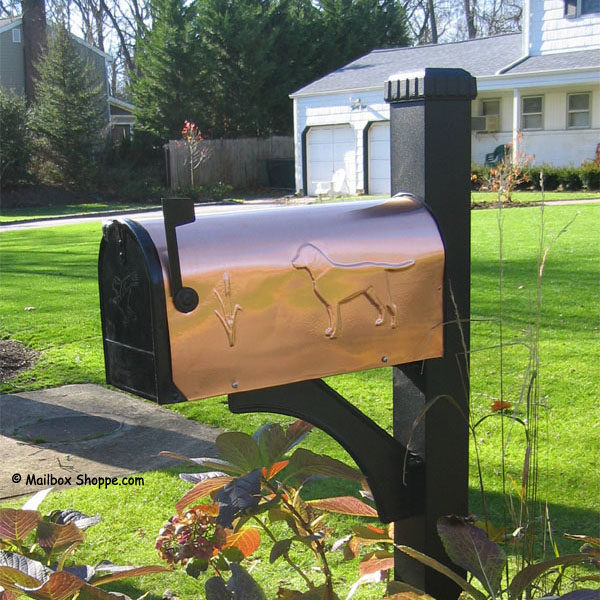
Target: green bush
15, 149
590, 175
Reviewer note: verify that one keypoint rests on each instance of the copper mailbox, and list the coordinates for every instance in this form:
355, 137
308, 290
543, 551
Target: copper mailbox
283, 295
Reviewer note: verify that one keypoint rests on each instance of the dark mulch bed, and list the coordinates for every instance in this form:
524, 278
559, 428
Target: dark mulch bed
14, 358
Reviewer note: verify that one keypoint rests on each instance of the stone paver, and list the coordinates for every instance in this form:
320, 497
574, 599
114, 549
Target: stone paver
76, 431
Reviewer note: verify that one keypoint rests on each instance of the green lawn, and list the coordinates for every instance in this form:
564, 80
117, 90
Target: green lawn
527, 197
54, 271
8, 215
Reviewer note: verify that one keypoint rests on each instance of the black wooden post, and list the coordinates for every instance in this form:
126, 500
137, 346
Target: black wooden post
430, 157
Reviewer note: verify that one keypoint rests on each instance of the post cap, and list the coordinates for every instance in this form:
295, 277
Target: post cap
431, 83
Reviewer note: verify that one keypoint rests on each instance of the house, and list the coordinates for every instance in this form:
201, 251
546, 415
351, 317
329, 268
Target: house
13, 69
539, 89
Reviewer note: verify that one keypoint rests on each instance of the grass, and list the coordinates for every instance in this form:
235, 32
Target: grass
54, 270
528, 197
8, 215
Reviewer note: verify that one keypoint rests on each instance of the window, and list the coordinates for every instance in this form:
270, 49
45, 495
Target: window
16, 32
576, 8
531, 113
490, 109
578, 110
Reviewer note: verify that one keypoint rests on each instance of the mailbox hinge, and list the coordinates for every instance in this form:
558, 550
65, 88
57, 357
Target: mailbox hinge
395, 477
178, 211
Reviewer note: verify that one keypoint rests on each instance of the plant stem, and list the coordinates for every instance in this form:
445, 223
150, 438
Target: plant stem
317, 546
285, 555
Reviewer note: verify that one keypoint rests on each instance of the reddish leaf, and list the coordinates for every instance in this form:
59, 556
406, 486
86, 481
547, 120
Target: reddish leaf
500, 405
247, 541
202, 489
6, 595
345, 505
16, 524
376, 529
59, 586
470, 548
375, 564
129, 572
279, 466
52, 536
296, 432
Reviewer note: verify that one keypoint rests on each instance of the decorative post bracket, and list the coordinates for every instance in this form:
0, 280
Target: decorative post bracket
378, 455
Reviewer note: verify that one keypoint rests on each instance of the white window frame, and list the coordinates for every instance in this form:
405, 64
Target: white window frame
16, 35
524, 114
579, 110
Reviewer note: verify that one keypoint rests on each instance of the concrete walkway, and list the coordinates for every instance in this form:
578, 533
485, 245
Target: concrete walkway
79, 433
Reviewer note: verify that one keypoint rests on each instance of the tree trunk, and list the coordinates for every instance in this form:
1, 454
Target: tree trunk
34, 41
470, 18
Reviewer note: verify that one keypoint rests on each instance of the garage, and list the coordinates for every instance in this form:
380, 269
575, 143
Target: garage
331, 160
379, 158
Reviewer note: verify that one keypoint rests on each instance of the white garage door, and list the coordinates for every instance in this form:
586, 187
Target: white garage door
331, 158
379, 158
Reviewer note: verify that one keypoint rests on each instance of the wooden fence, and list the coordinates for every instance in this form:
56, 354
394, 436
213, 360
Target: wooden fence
241, 163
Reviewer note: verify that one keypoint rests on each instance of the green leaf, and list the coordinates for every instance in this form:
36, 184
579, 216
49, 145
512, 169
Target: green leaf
239, 449
52, 536
470, 548
272, 442
528, 575
371, 533
443, 569
308, 463
26, 570
207, 462
240, 585
279, 548
344, 505
15, 524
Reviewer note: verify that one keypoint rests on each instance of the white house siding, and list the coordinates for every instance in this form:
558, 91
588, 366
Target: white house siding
551, 32
555, 144
336, 109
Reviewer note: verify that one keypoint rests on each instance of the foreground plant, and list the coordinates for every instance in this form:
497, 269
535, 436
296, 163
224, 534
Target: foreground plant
250, 490
468, 546
34, 550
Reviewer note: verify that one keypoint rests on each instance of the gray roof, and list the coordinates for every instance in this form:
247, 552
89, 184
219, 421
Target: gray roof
558, 62
481, 57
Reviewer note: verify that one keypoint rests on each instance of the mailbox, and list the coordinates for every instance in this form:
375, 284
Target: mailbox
194, 307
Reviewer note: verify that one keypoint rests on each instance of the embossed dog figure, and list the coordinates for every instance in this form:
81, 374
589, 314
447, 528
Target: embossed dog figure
335, 284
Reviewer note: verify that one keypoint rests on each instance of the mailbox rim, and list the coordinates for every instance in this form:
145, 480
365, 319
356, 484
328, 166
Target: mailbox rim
166, 390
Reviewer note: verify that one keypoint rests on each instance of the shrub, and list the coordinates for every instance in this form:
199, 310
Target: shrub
15, 150
586, 176
590, 175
